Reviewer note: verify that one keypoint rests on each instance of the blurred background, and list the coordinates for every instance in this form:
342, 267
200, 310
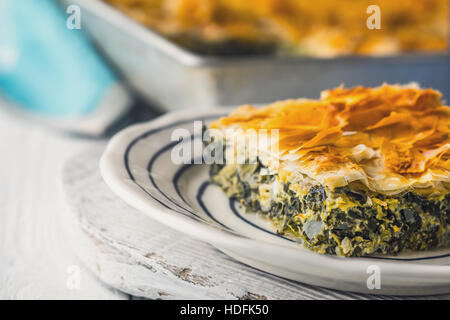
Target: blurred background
72, 61
74, 72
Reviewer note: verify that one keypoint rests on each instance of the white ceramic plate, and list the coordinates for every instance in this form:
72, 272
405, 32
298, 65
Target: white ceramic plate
137, 166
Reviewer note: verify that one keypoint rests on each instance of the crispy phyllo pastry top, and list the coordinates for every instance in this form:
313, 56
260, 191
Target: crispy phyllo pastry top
388, 139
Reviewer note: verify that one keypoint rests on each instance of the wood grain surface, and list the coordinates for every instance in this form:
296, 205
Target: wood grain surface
36, 260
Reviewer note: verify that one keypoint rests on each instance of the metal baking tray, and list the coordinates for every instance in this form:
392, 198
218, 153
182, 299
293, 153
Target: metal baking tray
173, 78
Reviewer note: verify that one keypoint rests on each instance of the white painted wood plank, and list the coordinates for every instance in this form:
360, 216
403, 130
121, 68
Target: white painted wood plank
34, 252
133, 253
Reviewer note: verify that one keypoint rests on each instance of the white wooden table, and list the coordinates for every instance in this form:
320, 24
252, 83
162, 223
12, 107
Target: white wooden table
36, 260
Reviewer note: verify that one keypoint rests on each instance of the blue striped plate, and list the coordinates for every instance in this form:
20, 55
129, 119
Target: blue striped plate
137, 165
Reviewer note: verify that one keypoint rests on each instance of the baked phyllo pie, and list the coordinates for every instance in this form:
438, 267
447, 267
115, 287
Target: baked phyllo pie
326, 28
361, 171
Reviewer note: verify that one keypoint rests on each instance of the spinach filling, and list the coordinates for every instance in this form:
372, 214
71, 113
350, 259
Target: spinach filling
343, 221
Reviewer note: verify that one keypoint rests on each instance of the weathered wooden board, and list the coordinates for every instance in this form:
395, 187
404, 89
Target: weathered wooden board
35, 256
137, 255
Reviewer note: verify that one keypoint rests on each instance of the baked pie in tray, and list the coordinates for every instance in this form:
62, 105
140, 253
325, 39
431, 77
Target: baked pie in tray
360, 171
324, 28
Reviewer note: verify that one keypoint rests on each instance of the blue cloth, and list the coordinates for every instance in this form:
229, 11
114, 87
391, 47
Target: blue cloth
46, 67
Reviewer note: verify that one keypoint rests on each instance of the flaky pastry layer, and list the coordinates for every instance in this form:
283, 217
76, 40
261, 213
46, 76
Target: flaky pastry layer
389, 139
